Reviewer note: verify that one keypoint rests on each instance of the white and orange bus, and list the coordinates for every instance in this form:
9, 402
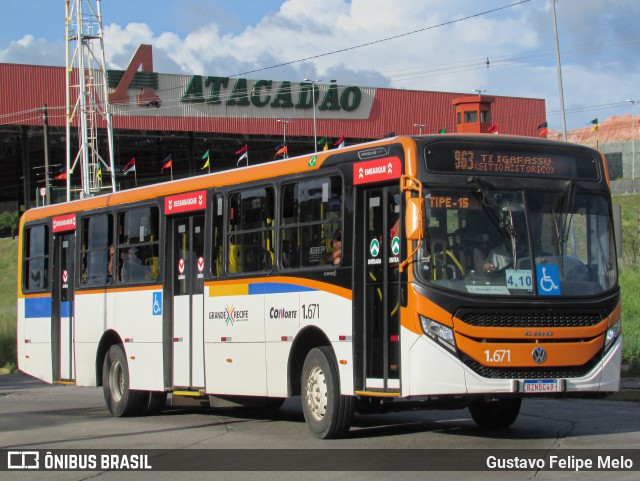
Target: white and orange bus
412, 272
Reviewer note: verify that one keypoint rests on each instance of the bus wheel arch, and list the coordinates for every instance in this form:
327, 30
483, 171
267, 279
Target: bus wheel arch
307, 339
109, 338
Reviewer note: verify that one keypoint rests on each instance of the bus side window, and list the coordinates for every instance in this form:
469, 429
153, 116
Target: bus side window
36, 258
97, 246
216, 236
310, 218
250, 231
138, 245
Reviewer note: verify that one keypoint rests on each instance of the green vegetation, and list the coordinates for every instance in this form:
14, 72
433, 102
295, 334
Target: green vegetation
629, 263
8, 257
629, 284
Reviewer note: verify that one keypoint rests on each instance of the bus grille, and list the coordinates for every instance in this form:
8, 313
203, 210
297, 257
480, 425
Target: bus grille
530, 319
551, 372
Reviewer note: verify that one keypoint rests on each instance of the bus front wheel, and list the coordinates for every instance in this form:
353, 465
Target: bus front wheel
328, 413
121, 401
495, 413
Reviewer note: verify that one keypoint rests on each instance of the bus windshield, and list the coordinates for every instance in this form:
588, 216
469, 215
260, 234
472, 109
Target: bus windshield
518, 243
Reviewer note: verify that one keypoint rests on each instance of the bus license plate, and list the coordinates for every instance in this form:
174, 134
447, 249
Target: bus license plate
540, 385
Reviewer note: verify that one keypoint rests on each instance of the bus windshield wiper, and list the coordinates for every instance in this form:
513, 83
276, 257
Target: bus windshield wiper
566, 208
504, 223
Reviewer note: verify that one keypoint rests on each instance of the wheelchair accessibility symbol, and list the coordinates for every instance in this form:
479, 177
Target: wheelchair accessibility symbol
548, 280
157, 304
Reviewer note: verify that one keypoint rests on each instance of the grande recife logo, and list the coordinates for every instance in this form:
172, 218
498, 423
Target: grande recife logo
378, 170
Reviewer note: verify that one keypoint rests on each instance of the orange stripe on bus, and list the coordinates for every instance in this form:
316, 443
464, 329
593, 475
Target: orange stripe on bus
296, 281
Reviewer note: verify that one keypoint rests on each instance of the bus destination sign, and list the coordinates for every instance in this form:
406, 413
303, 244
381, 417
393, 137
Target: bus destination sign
534, 162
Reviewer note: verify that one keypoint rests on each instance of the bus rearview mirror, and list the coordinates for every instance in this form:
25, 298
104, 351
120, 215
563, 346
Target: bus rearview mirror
414, 218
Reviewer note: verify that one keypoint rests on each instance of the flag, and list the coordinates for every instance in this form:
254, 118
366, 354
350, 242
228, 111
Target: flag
442, 131
326, 146
281, 150
543, 125
167, 163
62, 176
493, 129
339, 143
99, 173
130, 167
245, 154
595, 122
206, 164
324, 141
543, 132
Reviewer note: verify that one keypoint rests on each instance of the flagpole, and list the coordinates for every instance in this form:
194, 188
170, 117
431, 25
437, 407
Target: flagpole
135, 176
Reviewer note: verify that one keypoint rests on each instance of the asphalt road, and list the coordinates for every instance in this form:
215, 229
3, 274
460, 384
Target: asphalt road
34, 415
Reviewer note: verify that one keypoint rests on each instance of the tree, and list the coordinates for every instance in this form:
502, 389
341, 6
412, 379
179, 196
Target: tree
9, 221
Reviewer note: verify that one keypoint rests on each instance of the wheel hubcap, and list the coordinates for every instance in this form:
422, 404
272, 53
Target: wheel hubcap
317, 394
116, 381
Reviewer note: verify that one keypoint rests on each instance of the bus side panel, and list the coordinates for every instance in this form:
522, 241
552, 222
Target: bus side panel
282, 323
332, 313
34, 337
139, 326
91, 318
430, 368
145, 365
234, 341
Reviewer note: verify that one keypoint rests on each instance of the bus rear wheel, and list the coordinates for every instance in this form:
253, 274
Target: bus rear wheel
328, 413
121, 401
495, 413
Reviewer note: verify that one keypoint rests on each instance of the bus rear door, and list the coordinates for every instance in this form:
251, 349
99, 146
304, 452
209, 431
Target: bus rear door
185, 268
62, 307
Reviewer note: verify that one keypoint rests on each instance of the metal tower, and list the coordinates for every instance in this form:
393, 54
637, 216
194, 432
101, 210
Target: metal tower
87, 97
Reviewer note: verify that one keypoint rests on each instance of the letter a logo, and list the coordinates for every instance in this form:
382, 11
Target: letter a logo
142, 58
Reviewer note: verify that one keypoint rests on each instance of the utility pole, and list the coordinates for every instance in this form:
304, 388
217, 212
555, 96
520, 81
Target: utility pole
633, 137
555, 28
45, 120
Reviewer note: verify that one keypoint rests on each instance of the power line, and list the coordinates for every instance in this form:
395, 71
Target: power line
394, 37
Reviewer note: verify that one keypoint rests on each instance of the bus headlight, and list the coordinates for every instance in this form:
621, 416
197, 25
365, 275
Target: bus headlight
438, 332
612, 334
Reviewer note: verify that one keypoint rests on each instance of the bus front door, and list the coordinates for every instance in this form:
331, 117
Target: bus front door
379, 244
62, 318
186, 267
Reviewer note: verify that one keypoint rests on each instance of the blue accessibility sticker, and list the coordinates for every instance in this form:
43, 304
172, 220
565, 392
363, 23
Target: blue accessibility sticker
156, 309
548, 280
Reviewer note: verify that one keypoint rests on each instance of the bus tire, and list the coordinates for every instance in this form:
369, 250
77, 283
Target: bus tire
155, 403
328, 414
496, 413
121, 401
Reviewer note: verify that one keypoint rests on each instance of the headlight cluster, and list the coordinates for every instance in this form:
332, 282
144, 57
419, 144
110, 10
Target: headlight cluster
438, 332
612, 334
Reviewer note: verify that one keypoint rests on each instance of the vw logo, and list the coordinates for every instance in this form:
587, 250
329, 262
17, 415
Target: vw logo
539, 355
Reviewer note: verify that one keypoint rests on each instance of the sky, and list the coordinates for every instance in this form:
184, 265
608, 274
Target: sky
501, 47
